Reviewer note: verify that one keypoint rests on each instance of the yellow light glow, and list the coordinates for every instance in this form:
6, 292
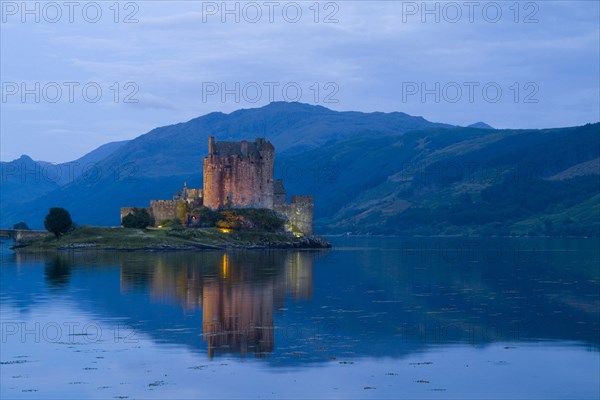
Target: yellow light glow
224, 266
224, 230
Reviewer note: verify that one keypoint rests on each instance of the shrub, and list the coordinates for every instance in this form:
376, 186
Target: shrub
229, 219
22, 226
255, 219
139, 218
205, 217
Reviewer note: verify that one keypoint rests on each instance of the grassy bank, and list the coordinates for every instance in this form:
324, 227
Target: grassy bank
125, 239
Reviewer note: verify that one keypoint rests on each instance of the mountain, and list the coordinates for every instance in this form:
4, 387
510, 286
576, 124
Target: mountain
369, 172
101, 152
458, 181
480, 125
85, 165
26, 175
154, 165
177, 150
22, 180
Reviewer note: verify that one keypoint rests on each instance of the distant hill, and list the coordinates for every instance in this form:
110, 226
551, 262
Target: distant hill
374, 173
177, 150
22, 180
101, 152
480, 125
154, 165
74, 169
539, 182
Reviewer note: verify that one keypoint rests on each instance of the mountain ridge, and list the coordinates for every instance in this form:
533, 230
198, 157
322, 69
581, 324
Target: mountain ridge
365, 169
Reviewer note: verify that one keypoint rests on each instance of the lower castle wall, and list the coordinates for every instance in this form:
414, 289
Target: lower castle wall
163, 210
299, 214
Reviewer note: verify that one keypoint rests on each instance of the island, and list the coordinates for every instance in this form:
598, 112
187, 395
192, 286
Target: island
240, 206
166, 239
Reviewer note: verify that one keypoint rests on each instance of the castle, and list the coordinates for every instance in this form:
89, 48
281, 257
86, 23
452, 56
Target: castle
237, 175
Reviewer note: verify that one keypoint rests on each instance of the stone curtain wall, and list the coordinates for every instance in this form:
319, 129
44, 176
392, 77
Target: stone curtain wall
163, 210
299, 214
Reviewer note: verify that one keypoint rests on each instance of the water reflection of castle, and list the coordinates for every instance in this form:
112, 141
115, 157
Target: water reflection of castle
237, 292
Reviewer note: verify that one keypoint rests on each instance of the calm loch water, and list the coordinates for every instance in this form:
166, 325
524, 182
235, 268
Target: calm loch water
433, 318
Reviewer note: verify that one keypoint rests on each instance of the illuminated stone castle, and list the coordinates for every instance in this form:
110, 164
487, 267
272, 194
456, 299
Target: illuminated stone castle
238, 175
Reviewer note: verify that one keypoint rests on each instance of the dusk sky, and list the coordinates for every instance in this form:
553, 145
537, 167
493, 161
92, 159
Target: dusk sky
76, 77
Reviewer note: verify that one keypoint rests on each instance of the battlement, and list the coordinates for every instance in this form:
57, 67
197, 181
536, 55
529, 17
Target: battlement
244, 149
302, 199
162, 203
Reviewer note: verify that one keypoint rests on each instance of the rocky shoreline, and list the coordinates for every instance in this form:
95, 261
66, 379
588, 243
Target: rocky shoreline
120, 239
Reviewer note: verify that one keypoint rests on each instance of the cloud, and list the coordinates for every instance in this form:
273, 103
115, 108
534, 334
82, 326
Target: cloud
150, 101
372, 49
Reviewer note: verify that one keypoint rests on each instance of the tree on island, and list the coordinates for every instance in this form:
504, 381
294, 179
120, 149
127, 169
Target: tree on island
138, 218
58, 221
21, 226
182, 210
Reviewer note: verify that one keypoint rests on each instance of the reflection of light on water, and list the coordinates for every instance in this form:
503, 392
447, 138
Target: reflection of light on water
224, 230
224, 266
459, 357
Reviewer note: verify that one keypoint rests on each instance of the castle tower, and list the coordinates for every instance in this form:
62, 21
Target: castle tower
239, 174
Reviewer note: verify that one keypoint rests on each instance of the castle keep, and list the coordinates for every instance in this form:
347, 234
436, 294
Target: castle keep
237, 175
